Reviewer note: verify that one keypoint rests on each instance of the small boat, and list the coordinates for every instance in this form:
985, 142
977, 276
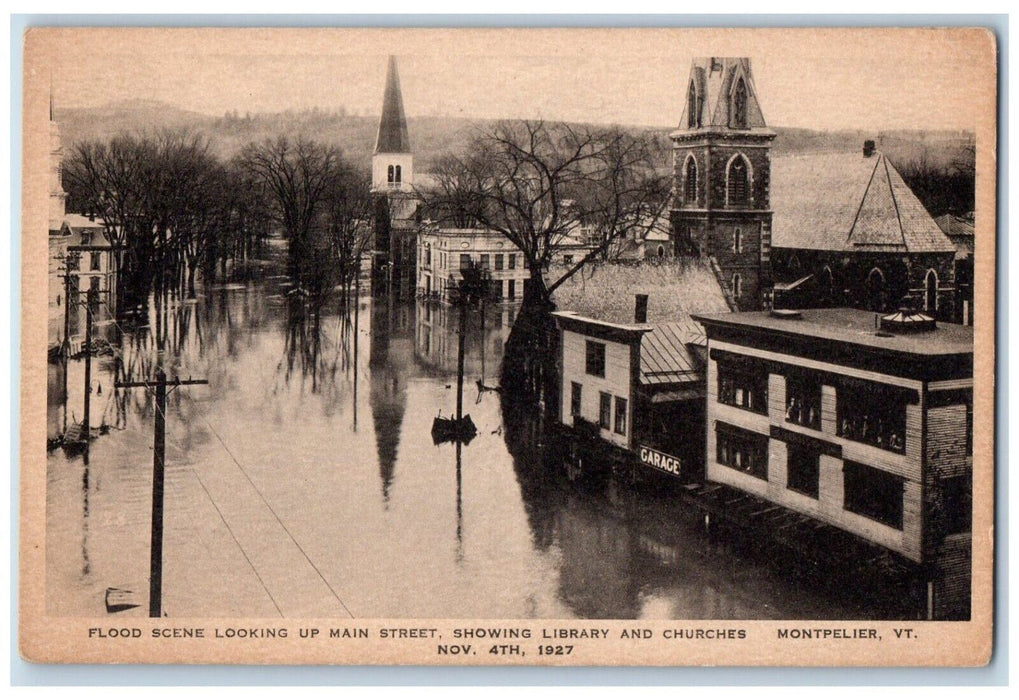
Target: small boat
73, 440
120, 599
453, 430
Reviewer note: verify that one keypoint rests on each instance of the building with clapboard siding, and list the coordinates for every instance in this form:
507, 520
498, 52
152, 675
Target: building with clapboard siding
858, 421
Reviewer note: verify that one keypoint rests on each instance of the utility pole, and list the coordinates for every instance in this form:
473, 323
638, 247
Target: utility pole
460, 362
86, 422
158, 470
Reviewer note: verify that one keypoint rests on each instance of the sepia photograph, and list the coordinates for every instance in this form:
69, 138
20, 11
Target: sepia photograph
508, 346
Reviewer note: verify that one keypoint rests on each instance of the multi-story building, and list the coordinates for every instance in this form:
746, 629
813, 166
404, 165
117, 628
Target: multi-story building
861, 422
444, 253
632, 368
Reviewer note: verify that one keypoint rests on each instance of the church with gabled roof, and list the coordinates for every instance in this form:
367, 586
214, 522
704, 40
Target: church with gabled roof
820, 229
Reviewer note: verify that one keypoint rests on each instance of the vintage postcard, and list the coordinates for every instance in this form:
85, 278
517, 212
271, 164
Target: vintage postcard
508, 346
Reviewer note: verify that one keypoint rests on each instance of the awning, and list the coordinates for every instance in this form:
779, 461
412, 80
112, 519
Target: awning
789, 286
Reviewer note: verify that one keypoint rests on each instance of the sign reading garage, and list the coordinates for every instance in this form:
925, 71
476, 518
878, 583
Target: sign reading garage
660, 460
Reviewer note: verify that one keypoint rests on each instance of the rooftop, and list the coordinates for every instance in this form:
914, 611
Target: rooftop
852, 327
675, 289
848, 202
665, 353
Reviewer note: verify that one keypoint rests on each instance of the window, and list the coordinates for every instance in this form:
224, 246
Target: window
94, 262
576, 394
390, 175
605, 411
595, 361
737, 286
512, 261
802, 470
871, 413
511, 291
620, 416
693, 108
739, 105
690, 181
742, 450
428, 254
738, 182
498, 261
486, 261
567, 259
931, 292
803, 402
957, 503
743, 387
398, 176
873, 493
465, 261
737, 241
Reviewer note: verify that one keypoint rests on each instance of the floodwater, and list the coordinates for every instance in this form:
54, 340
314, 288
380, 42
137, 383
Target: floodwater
303, 481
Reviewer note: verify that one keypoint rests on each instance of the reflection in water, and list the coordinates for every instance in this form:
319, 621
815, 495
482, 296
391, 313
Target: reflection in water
273, 498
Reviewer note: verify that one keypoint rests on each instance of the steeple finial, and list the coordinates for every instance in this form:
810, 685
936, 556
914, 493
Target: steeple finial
392, 136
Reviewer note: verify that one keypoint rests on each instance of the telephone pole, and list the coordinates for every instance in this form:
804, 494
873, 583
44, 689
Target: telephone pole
86, 422
160, 383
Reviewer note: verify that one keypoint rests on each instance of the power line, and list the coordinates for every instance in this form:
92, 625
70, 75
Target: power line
243, 553
275, 515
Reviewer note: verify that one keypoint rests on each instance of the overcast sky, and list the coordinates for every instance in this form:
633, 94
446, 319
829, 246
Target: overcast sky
832, 79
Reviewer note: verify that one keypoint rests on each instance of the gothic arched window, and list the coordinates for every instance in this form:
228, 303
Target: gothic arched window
398, 175
739, 105
737, 286
737, 241
931, 292
390, 175
694, 106
690, 181
875, 290
738, 181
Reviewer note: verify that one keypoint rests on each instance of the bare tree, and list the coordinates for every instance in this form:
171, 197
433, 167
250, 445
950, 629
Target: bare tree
539, 183
348, 210
297, 175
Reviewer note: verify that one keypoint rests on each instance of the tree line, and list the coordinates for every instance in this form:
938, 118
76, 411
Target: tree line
174, 211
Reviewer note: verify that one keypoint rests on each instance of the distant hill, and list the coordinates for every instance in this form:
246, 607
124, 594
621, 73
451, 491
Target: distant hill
433, 136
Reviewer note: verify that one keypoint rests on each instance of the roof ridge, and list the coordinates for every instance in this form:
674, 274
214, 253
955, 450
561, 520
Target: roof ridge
863, 199
895, 203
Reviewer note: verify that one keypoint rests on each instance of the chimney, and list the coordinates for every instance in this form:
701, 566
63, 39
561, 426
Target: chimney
640, 309
868, 148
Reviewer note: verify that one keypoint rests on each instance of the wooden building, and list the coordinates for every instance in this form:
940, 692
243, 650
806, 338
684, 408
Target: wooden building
858, 421
636, 388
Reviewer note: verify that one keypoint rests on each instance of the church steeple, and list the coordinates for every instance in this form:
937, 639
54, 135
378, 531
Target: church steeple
392, 136
392, 161
721, 206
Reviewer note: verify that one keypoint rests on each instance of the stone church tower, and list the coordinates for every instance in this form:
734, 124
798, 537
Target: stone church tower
721, 206
395, 248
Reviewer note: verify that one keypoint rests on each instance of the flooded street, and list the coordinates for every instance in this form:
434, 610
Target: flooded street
303, 482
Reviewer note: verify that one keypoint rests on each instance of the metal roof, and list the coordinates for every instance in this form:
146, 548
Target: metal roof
665, 357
